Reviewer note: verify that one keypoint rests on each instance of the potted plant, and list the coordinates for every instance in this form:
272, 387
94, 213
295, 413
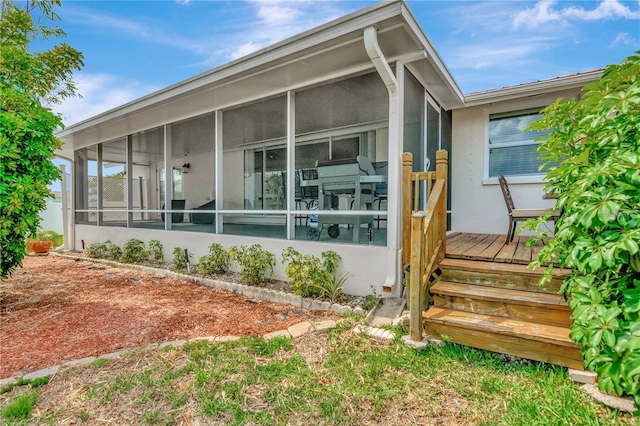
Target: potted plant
43, 241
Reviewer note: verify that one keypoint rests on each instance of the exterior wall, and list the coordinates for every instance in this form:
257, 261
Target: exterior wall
366, 265
477, 204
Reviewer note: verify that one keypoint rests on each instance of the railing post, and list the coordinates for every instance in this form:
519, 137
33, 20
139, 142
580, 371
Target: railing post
442, 165
415, 285
407, 169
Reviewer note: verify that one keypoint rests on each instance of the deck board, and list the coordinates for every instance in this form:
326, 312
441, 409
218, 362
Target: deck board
492, 248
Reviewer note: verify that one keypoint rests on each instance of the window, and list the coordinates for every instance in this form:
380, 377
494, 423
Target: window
512, 151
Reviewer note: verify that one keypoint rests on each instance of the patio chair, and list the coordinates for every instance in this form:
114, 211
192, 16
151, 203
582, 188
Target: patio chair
204, 218
520, 215
175, 205
381, 189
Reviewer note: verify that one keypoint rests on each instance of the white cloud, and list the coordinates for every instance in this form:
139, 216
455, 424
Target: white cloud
624, 39
244, 50
183, 2
100, 93
544, 12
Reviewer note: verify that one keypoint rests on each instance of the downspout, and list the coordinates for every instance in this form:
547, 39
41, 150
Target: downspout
393, 280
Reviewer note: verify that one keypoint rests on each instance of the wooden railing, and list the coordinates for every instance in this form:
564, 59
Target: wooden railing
424, 233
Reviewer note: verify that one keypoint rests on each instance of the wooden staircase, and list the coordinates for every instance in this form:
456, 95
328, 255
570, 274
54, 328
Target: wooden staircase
501, 308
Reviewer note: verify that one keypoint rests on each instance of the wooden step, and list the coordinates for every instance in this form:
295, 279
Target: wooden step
503, 275
547, 343
522, 305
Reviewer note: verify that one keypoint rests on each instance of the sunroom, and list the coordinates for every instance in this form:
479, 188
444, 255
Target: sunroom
297, 144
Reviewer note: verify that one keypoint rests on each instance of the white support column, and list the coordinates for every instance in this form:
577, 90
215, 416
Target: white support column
219, 170
99, 187
65, 208
291, 166
168, 177
129, 180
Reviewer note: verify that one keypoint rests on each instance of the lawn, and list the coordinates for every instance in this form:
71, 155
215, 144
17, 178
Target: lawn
337, 378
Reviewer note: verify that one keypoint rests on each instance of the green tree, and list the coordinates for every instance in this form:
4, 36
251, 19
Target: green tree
29, 83
596, 141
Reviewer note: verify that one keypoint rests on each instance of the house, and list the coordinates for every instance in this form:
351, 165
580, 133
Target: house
300, 144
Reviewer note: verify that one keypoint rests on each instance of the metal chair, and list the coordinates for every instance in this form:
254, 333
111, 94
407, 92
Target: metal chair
520, 215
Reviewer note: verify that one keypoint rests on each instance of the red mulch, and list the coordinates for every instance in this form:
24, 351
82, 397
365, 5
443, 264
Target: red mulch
55, 310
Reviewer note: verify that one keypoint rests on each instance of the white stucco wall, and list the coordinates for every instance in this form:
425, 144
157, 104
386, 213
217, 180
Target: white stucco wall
366, 265
477, 204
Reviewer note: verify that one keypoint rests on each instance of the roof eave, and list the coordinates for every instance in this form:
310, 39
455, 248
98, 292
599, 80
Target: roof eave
530, 89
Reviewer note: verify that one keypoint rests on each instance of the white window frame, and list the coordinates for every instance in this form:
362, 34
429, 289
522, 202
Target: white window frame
528, 178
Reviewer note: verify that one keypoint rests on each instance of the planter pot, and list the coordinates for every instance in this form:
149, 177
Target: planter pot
38, 246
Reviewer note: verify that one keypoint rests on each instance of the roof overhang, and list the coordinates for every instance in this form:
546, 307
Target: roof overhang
537, 88
332, 50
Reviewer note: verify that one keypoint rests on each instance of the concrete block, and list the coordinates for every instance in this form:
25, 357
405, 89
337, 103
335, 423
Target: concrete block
341, 309
413, 344
402, 321
42, 373
324, 326
223, 339
359, 311
318, 305
113, 355
300, 329
151, 346
77, 362
204, 339
174, 344
279, 333
295, 300
587, 377
625, 404
306, 303
8, 381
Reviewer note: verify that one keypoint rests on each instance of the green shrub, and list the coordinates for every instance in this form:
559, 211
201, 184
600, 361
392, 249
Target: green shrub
55, 238
216, 262
596, 141
253, 262
113, 251
313, 277
155, 249
134, 251
370, 300
180, 260
97, 250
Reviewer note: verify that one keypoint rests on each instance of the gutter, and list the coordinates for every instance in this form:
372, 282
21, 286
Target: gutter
393, 280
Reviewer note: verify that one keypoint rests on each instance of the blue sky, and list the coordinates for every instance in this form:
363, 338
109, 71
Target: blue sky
133, 48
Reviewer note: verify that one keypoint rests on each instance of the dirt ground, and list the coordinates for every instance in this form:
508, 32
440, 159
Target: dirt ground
55, 310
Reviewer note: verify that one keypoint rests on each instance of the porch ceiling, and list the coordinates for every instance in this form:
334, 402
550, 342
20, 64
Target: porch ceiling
330, 51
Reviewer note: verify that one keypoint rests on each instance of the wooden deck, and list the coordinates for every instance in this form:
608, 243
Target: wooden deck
491, 248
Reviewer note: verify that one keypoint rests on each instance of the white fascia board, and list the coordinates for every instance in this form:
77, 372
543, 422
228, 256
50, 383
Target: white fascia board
532, 89
435, 59
268, 56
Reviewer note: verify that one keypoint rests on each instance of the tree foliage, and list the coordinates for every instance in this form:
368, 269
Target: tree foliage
596, 140
29, 83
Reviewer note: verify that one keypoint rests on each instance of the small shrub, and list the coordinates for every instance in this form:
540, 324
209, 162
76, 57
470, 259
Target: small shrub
133, 251
370, 300
55, 238
313, 277
216, 262
97, 250
113, 251
155, 249
20, 408
180, 260
253, 262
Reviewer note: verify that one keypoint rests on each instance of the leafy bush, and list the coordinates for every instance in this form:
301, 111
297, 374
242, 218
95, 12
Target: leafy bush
370, 300
253, 262
55, 238
313, 277
113, 251
596, 141
155, 250
97, 250
180, 260
134, 251
216, 262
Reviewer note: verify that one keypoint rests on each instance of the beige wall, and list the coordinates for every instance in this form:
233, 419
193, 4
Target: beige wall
366, 265
477, 204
